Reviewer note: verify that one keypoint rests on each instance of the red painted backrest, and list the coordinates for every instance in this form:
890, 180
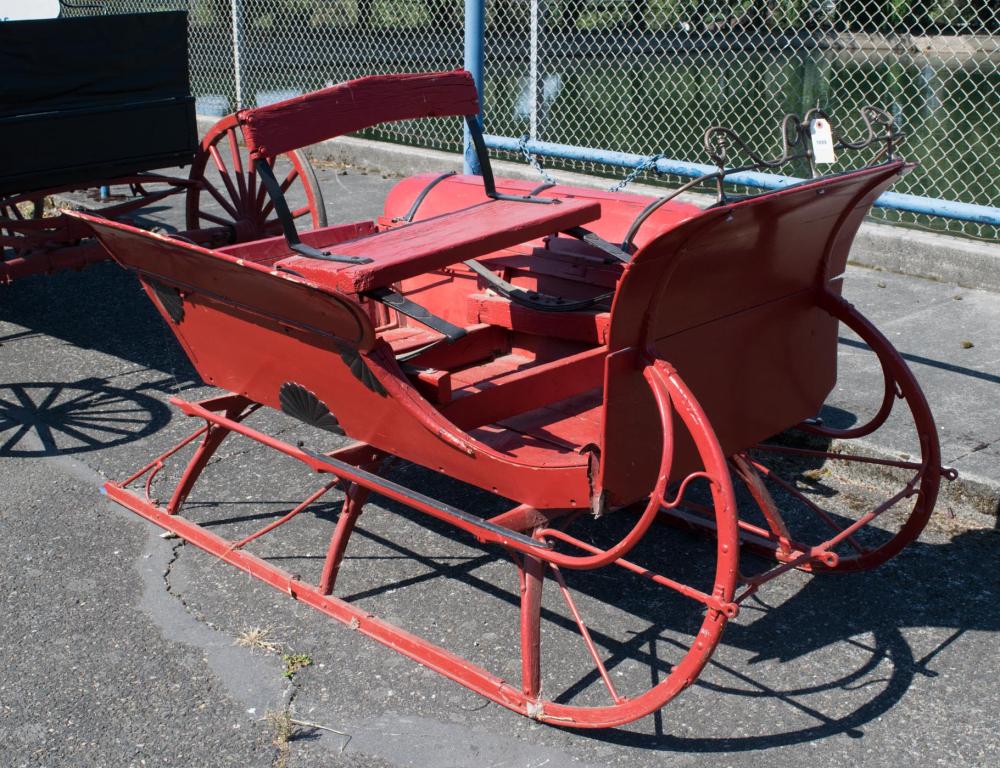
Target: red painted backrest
729, 299
354, 105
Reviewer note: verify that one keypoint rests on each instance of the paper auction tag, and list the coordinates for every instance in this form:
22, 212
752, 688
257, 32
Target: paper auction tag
822, 141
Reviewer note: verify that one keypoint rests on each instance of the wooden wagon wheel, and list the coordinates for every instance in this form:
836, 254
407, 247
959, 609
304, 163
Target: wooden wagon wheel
18, 235
229, 194
773, 473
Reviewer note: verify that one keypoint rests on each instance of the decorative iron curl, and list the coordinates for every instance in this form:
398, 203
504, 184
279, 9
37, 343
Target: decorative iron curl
721, 143
874, 119
880, 128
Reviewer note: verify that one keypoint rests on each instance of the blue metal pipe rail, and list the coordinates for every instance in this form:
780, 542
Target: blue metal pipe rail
928, 206
475, 30
474, 35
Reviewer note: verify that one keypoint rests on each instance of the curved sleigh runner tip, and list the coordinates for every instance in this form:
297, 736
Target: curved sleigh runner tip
547, 347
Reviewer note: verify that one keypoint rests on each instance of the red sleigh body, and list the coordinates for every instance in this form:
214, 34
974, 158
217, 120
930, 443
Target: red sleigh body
536, 344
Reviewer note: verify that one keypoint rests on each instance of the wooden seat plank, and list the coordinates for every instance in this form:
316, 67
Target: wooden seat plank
413, 249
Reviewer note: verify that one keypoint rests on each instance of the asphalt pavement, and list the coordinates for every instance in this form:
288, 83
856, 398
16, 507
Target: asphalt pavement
122, 648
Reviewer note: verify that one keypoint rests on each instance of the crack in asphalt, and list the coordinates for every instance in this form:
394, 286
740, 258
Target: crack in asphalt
175, 553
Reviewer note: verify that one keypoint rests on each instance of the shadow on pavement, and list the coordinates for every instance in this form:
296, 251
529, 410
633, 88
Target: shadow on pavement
102, 308
47, 418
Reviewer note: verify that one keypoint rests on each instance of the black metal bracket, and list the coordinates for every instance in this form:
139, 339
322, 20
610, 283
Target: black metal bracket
596, 241
542, 302
284, 214
419, 313
418, 201
314, 253
486, 170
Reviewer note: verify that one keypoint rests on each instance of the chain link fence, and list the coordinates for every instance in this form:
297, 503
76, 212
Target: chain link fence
649, 76
643, 76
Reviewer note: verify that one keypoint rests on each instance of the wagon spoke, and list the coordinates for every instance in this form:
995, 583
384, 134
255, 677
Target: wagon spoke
261, 197
300, 212
292, 176
226, 179
238, 170
220, 164
234, 151
214, 219
220, 198
267, 209
252, 189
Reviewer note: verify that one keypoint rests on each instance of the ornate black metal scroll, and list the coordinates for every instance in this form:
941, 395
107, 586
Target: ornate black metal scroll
880, 129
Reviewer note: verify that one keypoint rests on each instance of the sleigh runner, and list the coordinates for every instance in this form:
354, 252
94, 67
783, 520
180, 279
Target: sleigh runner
579, 353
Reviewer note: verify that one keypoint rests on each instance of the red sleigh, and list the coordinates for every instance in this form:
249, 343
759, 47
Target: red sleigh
578, 353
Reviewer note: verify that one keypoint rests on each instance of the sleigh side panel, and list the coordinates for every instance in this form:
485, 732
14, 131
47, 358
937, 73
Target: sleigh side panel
172, 270
730, 300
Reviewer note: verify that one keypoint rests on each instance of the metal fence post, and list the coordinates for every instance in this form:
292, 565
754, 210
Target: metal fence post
475, 28
536, 84
237, 14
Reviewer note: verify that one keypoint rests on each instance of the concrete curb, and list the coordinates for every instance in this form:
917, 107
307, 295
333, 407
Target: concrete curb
946, 259
970, 497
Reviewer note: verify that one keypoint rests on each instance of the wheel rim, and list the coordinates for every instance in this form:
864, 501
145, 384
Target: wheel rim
804, 479
229, 194
692, 640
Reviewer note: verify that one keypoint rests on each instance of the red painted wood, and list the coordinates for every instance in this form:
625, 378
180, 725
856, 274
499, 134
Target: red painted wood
618, 209
354, 105
729, 298
222, 281
411, 250
482, 342
567, 424
589, 327
504, 393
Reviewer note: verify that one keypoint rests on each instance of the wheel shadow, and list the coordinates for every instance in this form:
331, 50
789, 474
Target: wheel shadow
48, 418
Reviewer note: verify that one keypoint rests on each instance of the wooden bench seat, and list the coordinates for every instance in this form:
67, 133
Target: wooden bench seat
430, 244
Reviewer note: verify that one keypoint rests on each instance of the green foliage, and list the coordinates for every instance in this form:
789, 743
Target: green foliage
294, 662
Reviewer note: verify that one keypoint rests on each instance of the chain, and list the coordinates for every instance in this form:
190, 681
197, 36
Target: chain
649, 164
522, 143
